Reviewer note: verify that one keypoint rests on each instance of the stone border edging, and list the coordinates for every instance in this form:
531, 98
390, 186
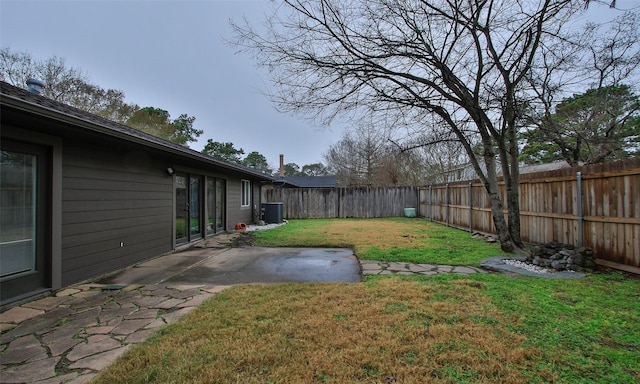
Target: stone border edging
374, 267
497, 264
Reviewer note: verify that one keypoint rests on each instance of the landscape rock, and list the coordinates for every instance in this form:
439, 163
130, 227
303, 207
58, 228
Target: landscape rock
562, 257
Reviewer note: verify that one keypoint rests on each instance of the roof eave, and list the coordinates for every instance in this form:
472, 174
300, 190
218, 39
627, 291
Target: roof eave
60, 116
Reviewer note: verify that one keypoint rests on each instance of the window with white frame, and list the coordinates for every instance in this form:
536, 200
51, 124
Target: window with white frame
245, 194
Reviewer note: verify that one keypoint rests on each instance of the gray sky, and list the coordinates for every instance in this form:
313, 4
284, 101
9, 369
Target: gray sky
169, 55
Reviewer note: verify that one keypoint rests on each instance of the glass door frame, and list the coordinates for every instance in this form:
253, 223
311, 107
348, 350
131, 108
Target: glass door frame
186, 209
196, 205
220, 204
40, 275
216, 204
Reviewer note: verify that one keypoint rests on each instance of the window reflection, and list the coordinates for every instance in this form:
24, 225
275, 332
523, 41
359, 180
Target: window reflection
17, 212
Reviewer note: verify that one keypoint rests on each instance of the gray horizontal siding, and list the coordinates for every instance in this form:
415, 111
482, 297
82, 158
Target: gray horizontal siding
114, 217
112, 205
106, 200
115, 195
108, 259
113, 229
236, 213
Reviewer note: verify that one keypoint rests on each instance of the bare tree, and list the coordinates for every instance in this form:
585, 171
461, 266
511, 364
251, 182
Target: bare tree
61, 82
65, 84
464, 61
71, 86
374, 156
445, 162
612, 4
16, 67
439, 155
357, 157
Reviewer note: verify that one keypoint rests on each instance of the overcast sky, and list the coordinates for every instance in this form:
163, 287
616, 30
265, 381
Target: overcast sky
172, 55
169, 55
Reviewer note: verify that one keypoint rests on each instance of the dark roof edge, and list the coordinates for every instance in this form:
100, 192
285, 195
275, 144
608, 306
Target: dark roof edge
139, 138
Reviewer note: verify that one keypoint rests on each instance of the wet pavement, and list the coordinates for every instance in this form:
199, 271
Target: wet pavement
248, 265
70, 336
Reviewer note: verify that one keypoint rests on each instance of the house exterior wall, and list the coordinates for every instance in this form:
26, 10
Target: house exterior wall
112, 202
113, 194
117, 209
236, 212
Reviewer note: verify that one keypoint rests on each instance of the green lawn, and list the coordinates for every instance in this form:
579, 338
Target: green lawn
482, 328
393, 239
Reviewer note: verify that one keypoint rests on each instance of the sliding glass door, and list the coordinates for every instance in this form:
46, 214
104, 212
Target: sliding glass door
215, 205
195, 196
189, 198
18, 229
24, 209
182, 209
220, 205
194, 218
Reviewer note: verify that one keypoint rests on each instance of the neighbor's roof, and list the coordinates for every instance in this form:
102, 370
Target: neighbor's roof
21, 99
544, 167
308, 181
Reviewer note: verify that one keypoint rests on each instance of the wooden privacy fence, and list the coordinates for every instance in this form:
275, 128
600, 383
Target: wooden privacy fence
358, 202
596, 206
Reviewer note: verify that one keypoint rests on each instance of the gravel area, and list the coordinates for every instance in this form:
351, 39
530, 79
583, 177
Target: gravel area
517, 265
251, 228
527, 266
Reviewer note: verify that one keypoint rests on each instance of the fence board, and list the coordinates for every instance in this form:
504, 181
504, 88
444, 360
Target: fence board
549, 201
356, 202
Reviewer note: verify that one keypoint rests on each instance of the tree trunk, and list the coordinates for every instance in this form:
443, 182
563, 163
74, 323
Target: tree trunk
512, 182
489, 179
497, 207
513, 206
497, 212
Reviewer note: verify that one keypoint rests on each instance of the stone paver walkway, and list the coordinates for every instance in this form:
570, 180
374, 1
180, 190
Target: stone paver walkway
373, 267
69, 337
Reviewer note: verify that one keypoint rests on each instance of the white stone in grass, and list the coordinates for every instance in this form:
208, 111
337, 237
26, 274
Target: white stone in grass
528, 267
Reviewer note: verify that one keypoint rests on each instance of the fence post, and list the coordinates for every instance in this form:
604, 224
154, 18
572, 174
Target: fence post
446, 199
579, 210
470, 210
418, 202
430, 202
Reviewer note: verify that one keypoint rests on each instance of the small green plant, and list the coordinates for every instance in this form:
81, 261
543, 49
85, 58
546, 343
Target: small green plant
321, 377
370, 370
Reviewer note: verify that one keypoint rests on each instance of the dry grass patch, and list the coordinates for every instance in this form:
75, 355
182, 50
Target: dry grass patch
392, 239
376, 332
382, 234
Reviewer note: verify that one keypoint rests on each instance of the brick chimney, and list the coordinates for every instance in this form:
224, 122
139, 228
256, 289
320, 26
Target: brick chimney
281, 165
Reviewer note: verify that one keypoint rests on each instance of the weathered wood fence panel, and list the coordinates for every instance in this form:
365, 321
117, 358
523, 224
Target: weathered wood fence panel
597, 206
357, 202
462, 205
